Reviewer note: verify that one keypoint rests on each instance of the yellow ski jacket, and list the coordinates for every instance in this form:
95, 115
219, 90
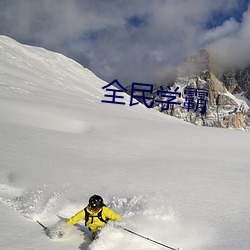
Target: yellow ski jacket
94, 223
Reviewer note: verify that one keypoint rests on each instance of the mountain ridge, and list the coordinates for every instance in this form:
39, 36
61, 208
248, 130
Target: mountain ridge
228, 93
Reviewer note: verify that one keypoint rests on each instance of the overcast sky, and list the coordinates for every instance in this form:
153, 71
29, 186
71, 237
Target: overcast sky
131, 40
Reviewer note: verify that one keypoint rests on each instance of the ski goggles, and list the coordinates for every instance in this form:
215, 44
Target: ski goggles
94, 208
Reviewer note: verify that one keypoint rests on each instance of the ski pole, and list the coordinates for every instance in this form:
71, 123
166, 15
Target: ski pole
146, 238
45, 228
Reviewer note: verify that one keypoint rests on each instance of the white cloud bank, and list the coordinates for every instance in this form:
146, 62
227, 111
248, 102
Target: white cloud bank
129, 40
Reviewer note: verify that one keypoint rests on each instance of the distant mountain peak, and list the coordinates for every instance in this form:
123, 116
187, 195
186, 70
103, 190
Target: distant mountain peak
223, 108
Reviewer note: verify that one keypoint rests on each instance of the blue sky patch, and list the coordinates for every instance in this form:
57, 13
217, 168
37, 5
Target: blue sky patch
136, 21
219, 17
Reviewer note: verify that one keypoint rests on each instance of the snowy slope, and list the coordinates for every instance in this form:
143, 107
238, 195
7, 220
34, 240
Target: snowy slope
179, 184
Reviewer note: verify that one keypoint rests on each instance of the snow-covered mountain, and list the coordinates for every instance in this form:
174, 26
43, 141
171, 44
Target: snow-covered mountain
223, 108
227, 100
182, 185
237, 82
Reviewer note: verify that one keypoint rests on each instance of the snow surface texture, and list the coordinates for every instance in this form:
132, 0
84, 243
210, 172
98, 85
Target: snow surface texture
179, 184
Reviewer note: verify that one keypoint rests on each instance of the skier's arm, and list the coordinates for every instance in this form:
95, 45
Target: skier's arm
77, 217
110, 214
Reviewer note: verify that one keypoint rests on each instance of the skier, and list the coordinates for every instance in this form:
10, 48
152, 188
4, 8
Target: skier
95, 214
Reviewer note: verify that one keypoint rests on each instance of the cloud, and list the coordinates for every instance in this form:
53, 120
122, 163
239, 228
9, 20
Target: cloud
228, 28
233, 49
126, 40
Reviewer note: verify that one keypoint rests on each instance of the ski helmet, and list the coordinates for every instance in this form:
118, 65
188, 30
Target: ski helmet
95, 202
